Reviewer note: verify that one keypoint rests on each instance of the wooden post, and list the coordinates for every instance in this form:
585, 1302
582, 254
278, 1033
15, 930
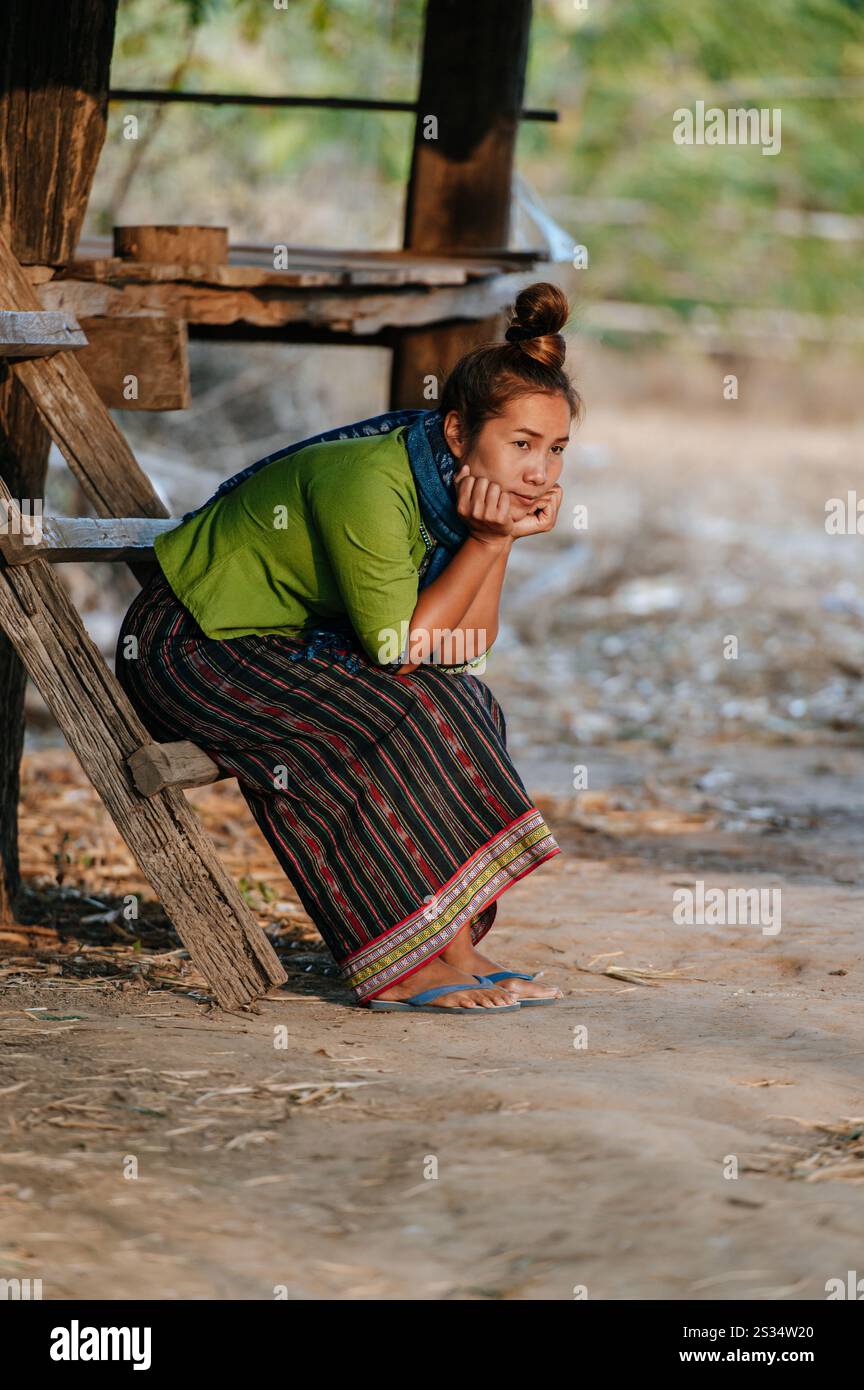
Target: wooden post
471, 91
54, 73
24, 445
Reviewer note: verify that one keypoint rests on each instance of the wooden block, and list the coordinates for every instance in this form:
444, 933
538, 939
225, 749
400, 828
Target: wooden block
176, 245
38, 334
138, 363
156, 766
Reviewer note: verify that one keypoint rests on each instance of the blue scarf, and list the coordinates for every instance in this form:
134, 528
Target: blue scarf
432, 466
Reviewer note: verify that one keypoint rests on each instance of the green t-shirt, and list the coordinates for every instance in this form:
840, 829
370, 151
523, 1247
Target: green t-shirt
329, 533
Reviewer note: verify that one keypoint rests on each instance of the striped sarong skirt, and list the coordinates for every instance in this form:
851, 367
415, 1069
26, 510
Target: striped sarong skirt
390, 802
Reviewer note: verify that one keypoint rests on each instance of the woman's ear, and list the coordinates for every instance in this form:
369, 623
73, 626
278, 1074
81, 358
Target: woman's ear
453, 433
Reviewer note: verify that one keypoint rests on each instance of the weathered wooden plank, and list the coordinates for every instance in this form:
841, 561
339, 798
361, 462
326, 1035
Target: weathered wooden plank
311, 276
156, 766
138, 364
301, 268
59, 539
38, 274
162, 831
360, 314
39, 334
175, 244
491, 260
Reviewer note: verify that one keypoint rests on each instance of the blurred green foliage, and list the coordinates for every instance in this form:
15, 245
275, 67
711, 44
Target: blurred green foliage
703, 222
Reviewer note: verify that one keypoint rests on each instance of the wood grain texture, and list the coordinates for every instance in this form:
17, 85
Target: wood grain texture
156, 766
362, 314
54, 69
24, 446
41, 334
138, 364
75, 417
459, 188
171, 243
54, 74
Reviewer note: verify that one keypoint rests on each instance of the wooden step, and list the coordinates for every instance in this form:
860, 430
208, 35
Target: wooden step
155, 766
62, 538
38, 333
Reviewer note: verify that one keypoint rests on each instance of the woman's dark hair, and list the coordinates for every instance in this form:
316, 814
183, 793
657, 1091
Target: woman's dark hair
531, 359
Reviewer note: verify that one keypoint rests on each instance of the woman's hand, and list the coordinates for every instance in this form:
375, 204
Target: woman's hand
484, 506
543, 514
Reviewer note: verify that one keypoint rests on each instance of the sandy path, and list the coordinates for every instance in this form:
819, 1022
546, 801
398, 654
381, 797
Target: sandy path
599, 1166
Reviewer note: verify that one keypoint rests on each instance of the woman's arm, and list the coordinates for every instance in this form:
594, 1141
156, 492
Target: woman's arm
478, 627
464, 598
468, 604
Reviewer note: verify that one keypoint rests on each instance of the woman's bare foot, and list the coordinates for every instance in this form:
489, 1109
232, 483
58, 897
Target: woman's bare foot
463, 955
439, 972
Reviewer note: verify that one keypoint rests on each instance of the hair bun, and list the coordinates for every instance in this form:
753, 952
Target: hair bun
540, 312
515, 334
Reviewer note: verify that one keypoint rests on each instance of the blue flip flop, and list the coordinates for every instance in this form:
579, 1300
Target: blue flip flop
418, 1003
496, 975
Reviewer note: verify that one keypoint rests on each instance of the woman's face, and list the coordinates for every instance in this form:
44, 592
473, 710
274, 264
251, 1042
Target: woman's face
521, 450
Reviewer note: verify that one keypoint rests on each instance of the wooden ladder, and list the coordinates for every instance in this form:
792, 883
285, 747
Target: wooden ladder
139, 781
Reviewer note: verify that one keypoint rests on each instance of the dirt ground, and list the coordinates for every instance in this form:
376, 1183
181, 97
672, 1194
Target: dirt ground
694, 1133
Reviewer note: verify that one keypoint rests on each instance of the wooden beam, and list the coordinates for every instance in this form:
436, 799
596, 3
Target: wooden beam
38, 334
300, 267
138, 364
360, 313
471, 88
162, 831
